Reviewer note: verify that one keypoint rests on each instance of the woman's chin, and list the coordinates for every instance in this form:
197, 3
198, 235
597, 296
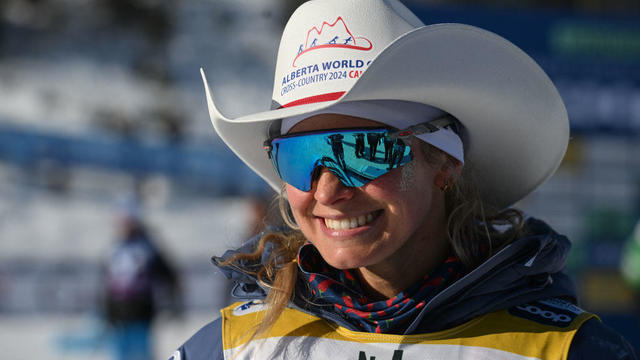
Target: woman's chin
351, 260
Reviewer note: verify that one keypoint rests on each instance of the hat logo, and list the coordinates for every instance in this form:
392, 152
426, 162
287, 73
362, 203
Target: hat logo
335, 35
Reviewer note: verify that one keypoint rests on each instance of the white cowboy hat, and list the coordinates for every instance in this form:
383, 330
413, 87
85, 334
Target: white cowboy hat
334, 51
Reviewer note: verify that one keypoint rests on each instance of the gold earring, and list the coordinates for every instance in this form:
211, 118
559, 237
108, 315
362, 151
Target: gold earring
447, 186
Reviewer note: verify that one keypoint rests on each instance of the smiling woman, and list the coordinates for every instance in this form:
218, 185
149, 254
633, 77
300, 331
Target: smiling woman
395, 186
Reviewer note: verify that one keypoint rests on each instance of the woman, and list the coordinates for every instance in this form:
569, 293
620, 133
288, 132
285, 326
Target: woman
411, 254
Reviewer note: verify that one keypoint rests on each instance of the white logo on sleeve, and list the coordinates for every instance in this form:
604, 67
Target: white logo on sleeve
562, 305
249, 307
547, 314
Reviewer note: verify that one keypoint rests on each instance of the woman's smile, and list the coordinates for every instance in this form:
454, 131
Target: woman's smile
351, 222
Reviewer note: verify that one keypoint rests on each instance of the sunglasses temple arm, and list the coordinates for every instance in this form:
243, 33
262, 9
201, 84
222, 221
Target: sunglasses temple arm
424, 128
267, 147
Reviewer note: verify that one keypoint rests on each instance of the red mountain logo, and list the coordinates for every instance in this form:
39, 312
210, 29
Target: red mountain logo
336, 35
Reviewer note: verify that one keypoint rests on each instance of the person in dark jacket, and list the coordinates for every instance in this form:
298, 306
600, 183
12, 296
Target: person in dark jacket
422, 260
136, 273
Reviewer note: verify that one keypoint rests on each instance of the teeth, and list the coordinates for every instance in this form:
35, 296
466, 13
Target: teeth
349, 223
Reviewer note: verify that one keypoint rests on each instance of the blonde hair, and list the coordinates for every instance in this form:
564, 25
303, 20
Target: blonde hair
471, 233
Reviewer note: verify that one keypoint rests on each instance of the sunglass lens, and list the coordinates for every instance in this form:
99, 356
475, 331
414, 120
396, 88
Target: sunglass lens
353, 156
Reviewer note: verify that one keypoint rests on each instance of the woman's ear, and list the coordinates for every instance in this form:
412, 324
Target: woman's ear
449, 172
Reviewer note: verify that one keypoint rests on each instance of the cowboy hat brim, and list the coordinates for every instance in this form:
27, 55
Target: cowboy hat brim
516, 127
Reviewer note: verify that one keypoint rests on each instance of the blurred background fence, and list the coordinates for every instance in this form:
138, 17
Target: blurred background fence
102, 101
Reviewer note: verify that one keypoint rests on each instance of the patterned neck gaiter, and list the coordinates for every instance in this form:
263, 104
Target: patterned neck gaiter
392, 316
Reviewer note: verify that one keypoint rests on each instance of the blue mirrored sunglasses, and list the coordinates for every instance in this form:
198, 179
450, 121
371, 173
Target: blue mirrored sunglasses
355, 156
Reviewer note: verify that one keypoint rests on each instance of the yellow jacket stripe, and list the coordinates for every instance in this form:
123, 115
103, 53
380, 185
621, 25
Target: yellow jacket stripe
498, 335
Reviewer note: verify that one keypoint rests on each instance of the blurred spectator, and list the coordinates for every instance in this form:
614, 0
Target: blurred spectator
138, 276
630, 264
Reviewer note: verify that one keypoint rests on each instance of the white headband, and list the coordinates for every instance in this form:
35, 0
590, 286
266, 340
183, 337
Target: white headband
398, 114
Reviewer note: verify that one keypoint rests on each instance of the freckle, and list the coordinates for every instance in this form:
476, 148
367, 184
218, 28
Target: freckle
407, 179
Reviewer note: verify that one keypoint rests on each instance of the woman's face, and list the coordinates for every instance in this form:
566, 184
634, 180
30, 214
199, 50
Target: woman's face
396, 218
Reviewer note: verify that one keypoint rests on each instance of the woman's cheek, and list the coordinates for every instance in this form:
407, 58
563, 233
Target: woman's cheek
298, 200
386, 185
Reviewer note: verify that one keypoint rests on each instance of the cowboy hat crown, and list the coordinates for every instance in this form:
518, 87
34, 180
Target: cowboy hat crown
335, 51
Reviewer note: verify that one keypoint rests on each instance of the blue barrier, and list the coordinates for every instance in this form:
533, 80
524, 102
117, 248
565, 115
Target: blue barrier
201, 164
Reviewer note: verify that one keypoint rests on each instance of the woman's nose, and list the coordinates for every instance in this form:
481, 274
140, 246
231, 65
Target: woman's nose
329, 189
